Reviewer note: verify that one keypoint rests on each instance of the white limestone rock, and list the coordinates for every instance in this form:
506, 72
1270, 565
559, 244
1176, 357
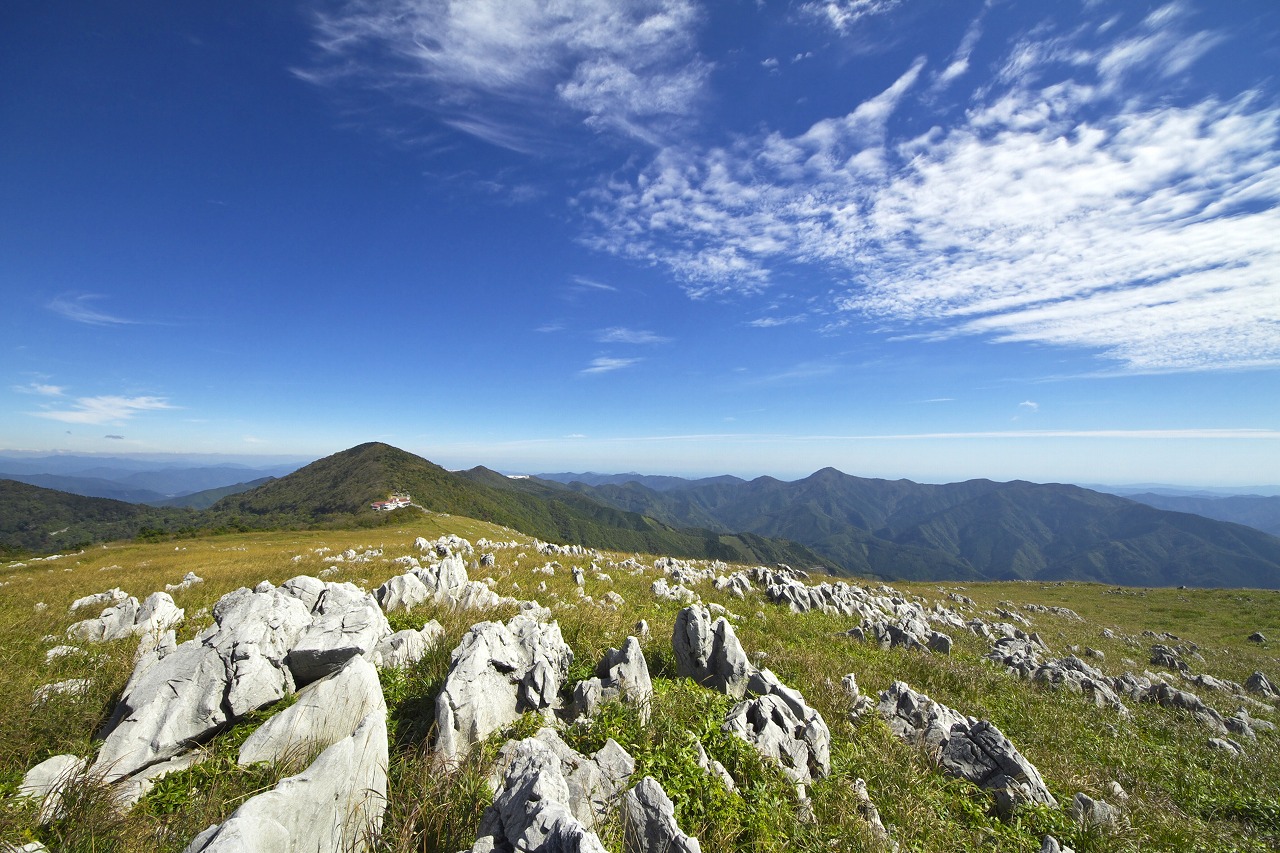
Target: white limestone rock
649, 822
621, 676
45, 782
235, 666
499, 672
336, 804
348, 624
324, 713
710, 653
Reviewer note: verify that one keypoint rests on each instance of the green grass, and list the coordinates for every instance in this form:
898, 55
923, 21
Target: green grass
1182, 796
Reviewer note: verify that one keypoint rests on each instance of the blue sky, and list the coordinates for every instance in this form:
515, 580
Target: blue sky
934, 240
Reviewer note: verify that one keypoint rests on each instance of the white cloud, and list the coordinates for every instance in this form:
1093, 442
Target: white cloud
1060, 208
608, 365
843, 15
495, 69
77, 308
770, 322
581, 282
104, 409
41, 389
620, 335
1029, 405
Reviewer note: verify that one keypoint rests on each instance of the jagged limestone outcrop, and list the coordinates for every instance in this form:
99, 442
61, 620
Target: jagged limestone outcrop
499, 672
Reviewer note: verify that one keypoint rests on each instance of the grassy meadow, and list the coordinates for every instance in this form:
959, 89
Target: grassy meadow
1181, 795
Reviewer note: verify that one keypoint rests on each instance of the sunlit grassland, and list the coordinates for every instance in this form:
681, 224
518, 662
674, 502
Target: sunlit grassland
1181, 794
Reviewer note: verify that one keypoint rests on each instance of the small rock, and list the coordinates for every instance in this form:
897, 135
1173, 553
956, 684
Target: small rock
46, 781
1090, 813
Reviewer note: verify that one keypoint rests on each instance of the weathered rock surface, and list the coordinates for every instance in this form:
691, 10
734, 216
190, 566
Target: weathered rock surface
235, 666
982, 754
621, 676
324, 713
115, 595
405, 648
336, 804
799, 741
532, 811
595, 783
710, 653
499, 672
964, 747
1258, 683
871, 815
1095, 814
1077, 676
649, 822
1170, 697
917, 719
127, 618
777, 721
348, 623
45, 782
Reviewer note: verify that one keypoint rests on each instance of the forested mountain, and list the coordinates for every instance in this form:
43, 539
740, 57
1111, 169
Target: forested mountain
977, 529
342, 487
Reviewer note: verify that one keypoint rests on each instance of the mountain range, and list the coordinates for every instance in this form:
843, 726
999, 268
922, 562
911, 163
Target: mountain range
974, 530
158, 483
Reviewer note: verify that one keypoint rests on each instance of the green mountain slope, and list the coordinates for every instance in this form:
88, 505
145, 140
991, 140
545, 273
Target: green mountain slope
973, 530
339, 488
38, 520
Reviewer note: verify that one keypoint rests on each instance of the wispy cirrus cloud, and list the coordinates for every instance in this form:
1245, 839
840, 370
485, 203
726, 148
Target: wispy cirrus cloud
1064, 205
605, 364
104, 409
844, 15
40, 388
621, 335
79, 309
771, 322
497, 69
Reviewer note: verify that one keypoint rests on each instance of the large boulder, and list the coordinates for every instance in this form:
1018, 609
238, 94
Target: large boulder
532, 811
594, 782
982, 754
235, 666
347, 624
621, 676
799, 742
917, 719
649, 822
964, 747
324, 713
336, 804
402, 592
709, 652
499, 672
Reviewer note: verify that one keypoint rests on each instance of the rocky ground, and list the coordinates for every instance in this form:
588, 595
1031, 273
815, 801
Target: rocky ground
311, 675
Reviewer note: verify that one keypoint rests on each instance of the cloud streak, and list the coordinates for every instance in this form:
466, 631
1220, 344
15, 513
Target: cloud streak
104, 409
497, 69
606, 364
1064, 206
620, 335
78, 309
